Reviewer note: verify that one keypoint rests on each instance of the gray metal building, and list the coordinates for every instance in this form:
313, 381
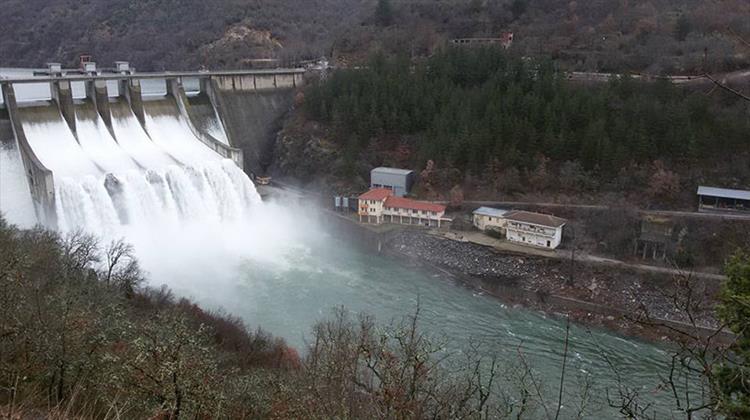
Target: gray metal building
398, 180
712, 199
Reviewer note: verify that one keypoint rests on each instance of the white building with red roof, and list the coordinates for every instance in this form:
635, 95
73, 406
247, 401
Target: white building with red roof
380, 205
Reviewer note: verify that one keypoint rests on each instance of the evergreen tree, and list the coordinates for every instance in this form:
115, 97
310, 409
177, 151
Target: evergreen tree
466, 106
518, 7
682, 28
734, 374
384, 13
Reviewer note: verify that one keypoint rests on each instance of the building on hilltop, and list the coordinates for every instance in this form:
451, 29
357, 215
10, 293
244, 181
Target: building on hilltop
535, 229
397, 180
505, 40
380, 205
488, 218
712, 199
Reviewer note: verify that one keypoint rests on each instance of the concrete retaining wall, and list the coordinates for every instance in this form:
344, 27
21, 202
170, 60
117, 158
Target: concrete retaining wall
7, 139
251, 120
340, 226
253, 82
40, 178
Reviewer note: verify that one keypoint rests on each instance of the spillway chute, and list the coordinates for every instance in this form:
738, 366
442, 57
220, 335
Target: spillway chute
119, 173
54, 144
96, 139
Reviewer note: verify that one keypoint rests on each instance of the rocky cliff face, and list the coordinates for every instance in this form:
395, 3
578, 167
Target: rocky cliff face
304, 153
239, 44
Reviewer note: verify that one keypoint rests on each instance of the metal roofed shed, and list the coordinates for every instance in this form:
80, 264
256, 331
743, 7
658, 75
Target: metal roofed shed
490, 211
711, 199
536, 219
489, 219
397, 180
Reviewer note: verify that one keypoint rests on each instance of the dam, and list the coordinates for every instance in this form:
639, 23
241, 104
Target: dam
102, 148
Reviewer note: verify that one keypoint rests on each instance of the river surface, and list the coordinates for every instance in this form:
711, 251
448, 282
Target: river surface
286, 293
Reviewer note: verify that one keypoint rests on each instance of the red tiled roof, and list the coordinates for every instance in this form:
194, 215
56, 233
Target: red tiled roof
376, 194
406, 203
535, 218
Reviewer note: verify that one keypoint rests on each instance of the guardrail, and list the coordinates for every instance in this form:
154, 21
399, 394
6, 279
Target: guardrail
155, 75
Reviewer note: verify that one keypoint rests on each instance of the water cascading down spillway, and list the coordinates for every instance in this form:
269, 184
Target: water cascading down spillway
132, 174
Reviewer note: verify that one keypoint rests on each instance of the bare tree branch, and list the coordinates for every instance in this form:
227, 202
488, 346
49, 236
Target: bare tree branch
739, 38
727, 88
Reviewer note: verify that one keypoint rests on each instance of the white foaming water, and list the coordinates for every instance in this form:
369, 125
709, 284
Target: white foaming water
181, 205
134, 141
101, 147
217, 130
170, 132
15, 198
115, 204
55, 146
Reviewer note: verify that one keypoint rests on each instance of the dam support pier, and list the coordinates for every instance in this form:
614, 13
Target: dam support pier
39, 178
62, 94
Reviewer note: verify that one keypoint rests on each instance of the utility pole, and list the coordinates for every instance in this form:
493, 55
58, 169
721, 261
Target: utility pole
571, 277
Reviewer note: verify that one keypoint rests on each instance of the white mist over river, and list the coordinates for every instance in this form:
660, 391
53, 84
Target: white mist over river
199, 227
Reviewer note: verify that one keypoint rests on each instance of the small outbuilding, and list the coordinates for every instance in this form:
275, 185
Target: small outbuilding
488, 218
534, 229
397, 180
712, 199
655, 239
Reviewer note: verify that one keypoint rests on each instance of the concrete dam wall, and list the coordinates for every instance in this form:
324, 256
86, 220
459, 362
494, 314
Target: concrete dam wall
251, 111
104, 150
252, 119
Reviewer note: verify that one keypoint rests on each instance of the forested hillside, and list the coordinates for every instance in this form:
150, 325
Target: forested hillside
657, 36
489, 116
170, 34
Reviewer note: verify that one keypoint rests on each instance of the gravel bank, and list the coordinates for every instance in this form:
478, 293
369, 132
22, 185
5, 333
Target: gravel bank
607, 291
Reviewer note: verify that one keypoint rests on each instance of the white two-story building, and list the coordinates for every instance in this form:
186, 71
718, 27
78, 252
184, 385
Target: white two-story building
371, 205
535, 229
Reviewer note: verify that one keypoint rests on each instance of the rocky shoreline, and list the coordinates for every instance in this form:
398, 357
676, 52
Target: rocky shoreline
591, 295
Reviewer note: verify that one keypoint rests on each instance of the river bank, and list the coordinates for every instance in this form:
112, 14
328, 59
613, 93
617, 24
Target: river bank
596, 296
643, 305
